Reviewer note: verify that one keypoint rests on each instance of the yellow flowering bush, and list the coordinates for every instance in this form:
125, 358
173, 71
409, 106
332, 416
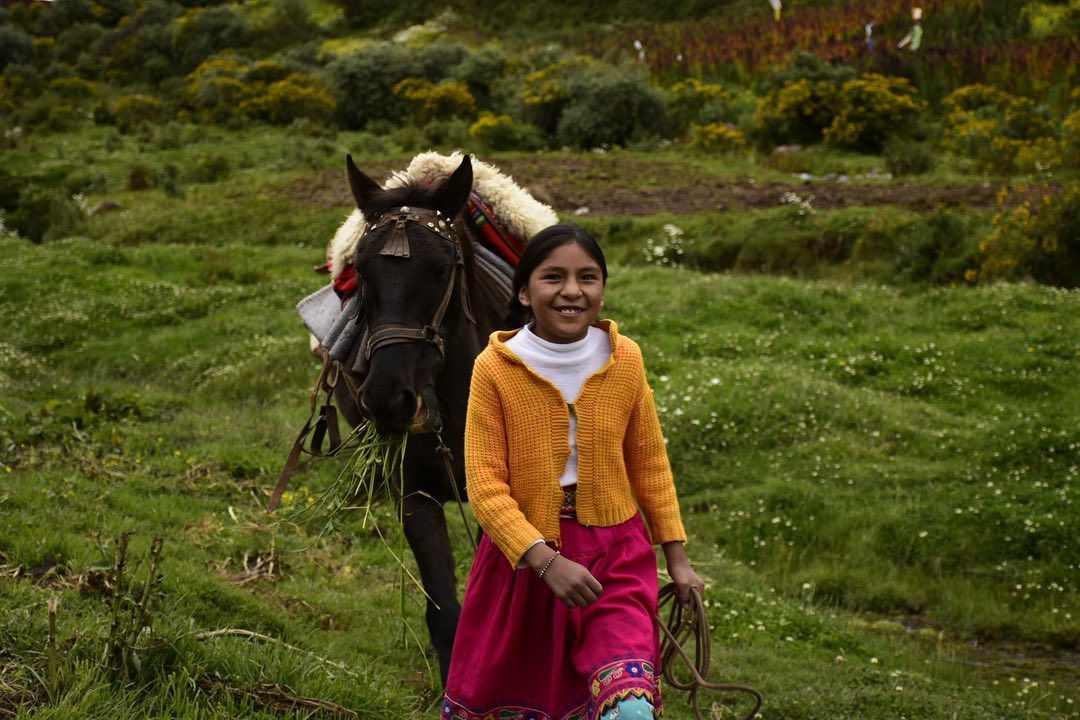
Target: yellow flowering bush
501, 132
690, 97
1001, 132
1070, 139
297, 96
717, 138
130, 111
435, 101
873, 108
74, 88
216, 89
1038, 239
798, 112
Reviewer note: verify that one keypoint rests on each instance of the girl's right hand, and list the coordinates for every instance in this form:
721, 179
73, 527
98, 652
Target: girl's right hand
572, 582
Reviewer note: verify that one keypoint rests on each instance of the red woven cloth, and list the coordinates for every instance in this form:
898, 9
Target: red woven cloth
520, 654
492, 232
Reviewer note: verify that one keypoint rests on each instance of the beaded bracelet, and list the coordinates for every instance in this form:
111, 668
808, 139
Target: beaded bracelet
550, 560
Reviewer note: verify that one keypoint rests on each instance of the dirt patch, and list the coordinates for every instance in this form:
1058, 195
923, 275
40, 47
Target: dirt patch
632, 186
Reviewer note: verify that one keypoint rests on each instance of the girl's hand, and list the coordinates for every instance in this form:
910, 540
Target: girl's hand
682, 574
570, 581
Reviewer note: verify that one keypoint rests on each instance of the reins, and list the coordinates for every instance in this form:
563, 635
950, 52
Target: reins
676, 631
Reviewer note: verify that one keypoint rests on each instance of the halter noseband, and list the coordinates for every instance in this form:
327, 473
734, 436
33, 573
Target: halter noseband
398, 246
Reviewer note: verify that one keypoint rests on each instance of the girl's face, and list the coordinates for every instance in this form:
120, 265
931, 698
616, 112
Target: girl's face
565, 293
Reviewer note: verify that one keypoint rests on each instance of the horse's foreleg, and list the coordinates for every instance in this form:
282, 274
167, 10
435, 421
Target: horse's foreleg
425, 529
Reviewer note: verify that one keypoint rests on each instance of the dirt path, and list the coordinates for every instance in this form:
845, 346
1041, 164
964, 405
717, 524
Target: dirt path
633, 186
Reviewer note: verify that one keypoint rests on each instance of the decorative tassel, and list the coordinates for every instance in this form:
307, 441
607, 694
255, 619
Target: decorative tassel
398, 244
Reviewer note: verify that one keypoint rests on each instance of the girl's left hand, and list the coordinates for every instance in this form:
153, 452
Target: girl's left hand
681, 573
685, 578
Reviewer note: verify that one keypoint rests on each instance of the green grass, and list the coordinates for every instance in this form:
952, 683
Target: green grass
879, 480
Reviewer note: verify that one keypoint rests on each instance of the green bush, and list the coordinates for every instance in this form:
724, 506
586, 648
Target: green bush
141, 48
76, 40
45, 214
942, 248
480, 69
501, 132
202, 32
140, 177
363, 83
209, 169
449, 133
609, 106
131, 111
438, 60
903, 157
16, 46
873, 108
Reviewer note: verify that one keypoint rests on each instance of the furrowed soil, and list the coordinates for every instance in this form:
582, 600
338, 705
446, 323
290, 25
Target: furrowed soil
632, 186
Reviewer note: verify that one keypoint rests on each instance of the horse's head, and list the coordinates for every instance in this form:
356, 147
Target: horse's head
411, 266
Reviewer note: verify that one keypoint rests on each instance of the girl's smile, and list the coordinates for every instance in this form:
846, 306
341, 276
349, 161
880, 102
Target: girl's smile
565, 293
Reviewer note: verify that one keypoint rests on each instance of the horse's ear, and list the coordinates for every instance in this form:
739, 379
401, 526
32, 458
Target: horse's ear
453, 193
364, 189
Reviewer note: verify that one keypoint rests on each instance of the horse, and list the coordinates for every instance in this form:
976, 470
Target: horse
428, 313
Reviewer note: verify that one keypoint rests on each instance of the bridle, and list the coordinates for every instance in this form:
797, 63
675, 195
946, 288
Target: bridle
398, 246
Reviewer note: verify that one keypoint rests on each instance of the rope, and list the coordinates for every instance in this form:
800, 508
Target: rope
447, 457
676, 631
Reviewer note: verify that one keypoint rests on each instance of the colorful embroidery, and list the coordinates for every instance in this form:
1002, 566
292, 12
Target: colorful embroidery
612, 683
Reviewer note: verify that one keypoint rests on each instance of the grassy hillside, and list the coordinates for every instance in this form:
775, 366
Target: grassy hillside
879, 480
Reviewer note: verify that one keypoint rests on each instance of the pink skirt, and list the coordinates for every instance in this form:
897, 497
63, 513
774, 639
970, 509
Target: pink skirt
521, 654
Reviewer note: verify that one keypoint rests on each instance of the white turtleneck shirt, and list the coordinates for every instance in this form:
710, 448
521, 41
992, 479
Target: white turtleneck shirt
566, 366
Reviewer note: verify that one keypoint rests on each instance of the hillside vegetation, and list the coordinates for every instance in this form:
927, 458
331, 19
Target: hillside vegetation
853, 274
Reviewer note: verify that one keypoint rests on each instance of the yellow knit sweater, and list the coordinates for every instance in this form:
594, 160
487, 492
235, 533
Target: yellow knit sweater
517, 443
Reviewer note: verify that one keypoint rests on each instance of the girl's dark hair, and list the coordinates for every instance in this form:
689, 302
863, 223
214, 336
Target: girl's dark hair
537, 251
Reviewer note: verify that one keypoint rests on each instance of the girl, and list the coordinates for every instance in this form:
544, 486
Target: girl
562, 445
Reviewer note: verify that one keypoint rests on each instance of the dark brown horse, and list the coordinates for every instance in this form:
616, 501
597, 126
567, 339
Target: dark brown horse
418, 365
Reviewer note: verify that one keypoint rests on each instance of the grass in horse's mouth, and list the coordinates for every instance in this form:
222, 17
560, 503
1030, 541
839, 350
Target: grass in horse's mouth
375, 463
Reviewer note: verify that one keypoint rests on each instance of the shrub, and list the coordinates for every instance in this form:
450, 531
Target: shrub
202, 32
797, 113
994, 128
1070, 139
132, 111
872, 108
609, 106
210, 169
689, 100
942, 248
545, 92
73, 88
140, 177
1040, 240
16, 46
717, 138
903, 157
501, 132
63, 117
363, 83
449, 133
216, 89
297, 96
45, 214
438, 60
76, 40
426, 101
479, 70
